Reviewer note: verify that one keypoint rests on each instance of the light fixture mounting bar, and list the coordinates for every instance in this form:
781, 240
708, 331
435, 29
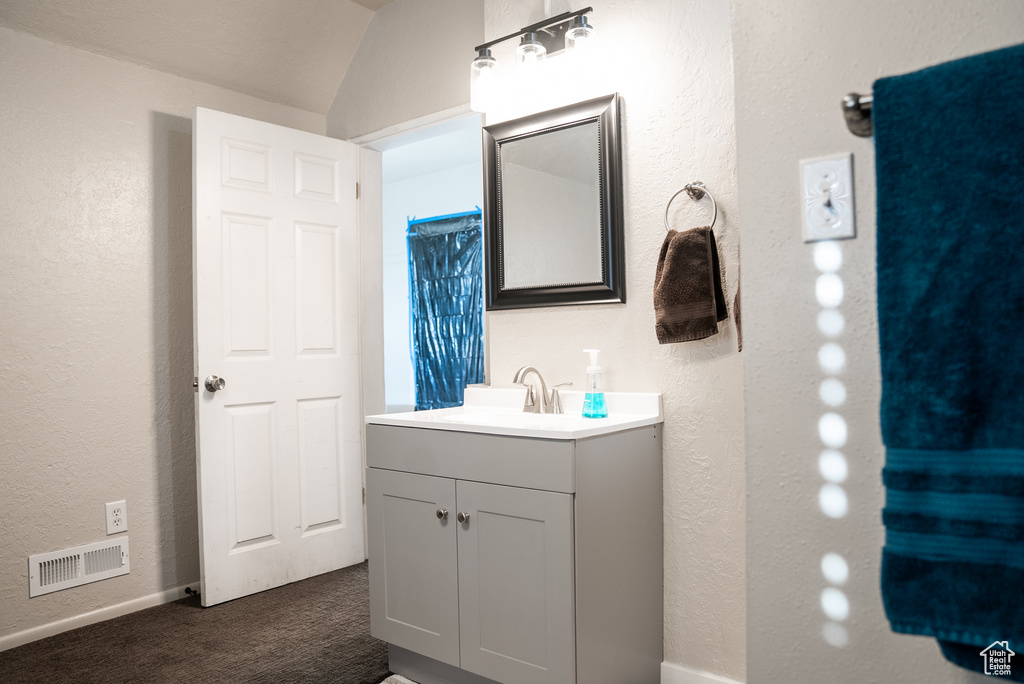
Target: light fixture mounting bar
556, 26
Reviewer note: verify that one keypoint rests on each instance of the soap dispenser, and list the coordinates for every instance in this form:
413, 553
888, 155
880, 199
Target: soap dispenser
593, 402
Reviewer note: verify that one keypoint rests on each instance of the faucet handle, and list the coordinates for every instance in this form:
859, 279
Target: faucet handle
556, 398
530, 405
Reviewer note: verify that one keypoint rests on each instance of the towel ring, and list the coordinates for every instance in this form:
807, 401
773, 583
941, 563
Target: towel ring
696, 190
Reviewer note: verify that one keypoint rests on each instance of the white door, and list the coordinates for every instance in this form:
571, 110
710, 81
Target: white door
276, 306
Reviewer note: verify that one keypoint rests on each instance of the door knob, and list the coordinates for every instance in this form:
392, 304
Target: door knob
442, 513
213, 383
462, 517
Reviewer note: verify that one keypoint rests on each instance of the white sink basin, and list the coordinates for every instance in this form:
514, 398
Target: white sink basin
500, 412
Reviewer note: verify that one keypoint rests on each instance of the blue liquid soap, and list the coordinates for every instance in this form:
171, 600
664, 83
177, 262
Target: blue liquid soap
594, 405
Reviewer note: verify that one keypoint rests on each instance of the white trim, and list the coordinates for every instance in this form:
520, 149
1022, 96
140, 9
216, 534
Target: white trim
371, 301
677, 674
99, 615
383, 139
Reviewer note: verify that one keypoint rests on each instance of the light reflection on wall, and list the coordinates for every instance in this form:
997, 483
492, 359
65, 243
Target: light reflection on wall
833, 432
832, 392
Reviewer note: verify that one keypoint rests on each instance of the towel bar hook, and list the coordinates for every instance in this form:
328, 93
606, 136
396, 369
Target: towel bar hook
696, 190
857, 111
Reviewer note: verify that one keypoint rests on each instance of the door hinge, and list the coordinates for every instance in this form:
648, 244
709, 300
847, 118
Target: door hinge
364, 495
357, 190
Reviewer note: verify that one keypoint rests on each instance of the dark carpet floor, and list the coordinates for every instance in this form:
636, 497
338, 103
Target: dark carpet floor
316, 630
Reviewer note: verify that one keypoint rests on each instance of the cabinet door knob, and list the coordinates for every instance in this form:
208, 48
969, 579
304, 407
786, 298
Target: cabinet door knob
442, 513
462, 517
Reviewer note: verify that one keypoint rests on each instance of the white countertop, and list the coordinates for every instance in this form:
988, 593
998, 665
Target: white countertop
500, 412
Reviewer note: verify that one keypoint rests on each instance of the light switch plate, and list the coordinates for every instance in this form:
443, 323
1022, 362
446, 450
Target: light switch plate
827, 188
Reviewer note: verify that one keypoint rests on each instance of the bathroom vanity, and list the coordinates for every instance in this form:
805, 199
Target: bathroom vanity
517, 548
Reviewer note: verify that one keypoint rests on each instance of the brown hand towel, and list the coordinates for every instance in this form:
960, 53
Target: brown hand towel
688, 298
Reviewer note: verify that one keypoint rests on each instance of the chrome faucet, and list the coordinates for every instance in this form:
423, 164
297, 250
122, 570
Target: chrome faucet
549, 403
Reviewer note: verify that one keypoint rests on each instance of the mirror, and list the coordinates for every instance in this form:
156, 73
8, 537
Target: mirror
553, 208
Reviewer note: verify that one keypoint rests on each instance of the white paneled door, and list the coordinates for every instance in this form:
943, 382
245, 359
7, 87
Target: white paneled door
276, 304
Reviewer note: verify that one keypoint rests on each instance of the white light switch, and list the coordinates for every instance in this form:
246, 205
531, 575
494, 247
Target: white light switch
827, 184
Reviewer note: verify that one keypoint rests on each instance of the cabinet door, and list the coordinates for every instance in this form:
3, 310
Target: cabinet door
516, 600
414, 593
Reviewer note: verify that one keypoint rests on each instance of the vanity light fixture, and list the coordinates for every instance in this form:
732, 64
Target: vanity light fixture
580, 34
567, 31
531, 50
481, 80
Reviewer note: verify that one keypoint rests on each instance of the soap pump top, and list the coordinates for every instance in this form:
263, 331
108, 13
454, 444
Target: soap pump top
594, 405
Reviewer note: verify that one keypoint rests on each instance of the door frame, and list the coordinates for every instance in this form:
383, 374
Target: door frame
371, 314
372, 145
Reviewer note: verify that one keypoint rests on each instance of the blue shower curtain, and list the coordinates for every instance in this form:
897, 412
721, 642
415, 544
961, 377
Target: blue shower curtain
446, 306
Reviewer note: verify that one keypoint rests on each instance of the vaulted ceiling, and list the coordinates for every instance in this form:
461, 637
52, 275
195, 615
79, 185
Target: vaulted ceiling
291, 51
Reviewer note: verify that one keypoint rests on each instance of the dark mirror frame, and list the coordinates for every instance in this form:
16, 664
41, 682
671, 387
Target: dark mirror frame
612, 288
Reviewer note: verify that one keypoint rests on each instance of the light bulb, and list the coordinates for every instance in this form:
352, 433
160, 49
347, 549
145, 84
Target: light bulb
580, 35
531, 50
481, 81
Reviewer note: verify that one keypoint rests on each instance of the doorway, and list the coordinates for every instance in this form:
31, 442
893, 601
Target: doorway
430, 173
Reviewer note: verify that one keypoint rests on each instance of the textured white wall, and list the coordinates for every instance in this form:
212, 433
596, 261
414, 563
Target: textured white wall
96, 401
794, 61
405, 65
671, 63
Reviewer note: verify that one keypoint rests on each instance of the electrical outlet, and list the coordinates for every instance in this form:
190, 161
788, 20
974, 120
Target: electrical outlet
117, 517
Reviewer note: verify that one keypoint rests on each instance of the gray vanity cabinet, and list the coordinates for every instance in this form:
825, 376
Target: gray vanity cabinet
493, 594
516, 583
415, 564
476, 546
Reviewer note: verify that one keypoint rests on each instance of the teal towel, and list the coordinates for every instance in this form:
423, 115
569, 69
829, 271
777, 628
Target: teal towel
949, 147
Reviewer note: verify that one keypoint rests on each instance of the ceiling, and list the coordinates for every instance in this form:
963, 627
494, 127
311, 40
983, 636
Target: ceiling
284, 51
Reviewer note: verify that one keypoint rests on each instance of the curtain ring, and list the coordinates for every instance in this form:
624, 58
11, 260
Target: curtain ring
696, 190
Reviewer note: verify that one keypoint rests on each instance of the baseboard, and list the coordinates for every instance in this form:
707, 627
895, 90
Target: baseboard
49, 629
676, 674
